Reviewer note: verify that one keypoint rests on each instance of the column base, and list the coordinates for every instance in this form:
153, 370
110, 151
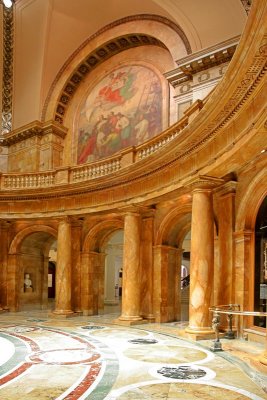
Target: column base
62, 314
130, 320
149, 318
200, 333
111, 302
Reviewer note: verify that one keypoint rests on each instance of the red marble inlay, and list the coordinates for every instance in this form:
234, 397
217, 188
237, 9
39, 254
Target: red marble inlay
15, 373
85, 384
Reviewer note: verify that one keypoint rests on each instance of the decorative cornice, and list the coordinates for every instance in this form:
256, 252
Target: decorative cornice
93, 60
204, 182
81, 73
35, 128
202, 60
226, 189
7, 89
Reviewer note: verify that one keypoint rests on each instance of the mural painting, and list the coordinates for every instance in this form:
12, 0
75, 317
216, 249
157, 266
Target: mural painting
124, 109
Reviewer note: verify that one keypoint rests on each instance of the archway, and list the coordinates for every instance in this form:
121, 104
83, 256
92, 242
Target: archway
168, 254
113, 272
96, 258
28, 268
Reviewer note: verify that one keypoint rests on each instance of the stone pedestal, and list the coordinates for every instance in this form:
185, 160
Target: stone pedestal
131, 269
202, 260
63, 273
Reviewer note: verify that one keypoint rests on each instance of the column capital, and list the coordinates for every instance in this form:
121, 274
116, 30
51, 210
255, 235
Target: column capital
5, 224
64, 220
228, 188
244, 235
76, 222
204, 183
132, 210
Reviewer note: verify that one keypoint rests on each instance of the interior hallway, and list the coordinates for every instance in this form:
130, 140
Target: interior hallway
93, 358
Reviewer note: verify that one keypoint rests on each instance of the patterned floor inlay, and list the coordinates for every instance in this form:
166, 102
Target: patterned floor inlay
91, 359
182, 391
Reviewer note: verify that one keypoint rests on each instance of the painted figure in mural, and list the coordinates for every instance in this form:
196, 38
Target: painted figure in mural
141, 129
123, 127
118, 90
124, 109
89, 141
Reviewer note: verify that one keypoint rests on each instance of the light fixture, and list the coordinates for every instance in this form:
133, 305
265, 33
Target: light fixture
8, 3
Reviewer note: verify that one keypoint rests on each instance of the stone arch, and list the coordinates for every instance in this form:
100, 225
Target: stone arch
180, 217
110, 40
99, 234
17, 240
251, 201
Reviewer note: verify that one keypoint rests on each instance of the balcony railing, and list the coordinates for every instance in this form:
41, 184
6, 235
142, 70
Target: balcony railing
98, 169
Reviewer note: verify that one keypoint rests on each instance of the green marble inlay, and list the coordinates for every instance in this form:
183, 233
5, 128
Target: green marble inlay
18, 357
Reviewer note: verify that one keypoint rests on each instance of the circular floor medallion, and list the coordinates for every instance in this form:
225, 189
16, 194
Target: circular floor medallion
92, 327
143, 341
182, 372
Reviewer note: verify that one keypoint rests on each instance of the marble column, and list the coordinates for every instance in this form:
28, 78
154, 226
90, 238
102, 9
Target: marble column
91, 288
226, 220
243, 284
4, 229
100, 284
63, 271
85, 284
147, 267
131, 268
201, 258
14, 281
167, 283
76, 233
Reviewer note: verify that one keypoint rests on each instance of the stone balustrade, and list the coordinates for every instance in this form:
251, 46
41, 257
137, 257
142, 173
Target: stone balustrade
93, 171
27, 181
161, 140
86, 172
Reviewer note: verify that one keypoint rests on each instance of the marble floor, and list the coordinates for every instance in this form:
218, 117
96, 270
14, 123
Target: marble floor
92, 358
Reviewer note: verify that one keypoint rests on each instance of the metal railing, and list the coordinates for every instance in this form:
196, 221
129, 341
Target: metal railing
230, 310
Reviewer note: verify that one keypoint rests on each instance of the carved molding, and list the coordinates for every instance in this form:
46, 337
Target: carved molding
201, 61
93, 60
35, 128
7, 89
104, 52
